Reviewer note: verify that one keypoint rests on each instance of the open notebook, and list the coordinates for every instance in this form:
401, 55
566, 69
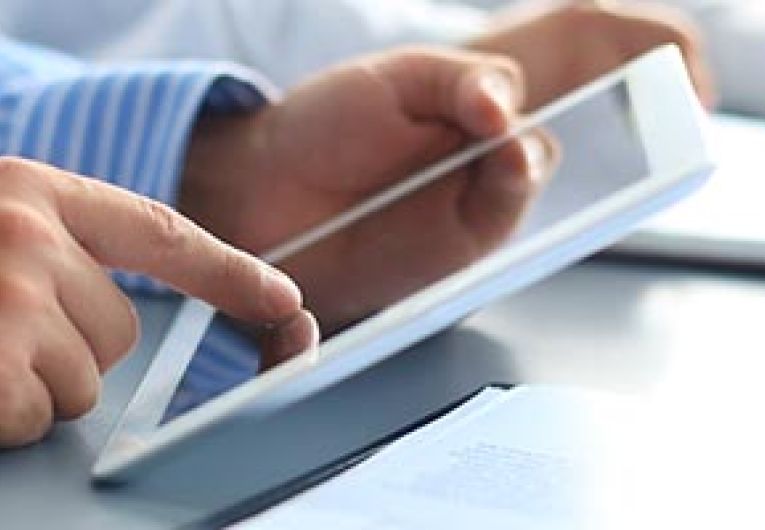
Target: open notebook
724, 222
507, 458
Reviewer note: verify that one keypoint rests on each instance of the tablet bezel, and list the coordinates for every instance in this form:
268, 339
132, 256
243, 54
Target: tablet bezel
678, 150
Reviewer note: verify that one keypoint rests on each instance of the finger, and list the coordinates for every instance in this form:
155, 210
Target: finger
120, 229
100, 311
25, 300
690, 46
477, 92
66, 365
291, 338
506, 183
427, 144
652, 25
26, 411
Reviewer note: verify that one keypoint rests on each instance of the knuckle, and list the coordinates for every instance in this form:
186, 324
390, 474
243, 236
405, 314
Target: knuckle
25, 416
167, 228
22, 295
82, 399
21, 174
413, 58
236, 267
23, 226
12, 166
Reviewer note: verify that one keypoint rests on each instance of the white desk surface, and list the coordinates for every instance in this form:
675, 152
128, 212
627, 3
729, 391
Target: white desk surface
692, 340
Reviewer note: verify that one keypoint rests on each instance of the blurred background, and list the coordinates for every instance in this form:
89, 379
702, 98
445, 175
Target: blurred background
287, 39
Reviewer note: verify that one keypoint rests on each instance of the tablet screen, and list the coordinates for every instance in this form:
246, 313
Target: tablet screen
434, 231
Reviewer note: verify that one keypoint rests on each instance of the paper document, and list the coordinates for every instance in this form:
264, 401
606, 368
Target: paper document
517, 458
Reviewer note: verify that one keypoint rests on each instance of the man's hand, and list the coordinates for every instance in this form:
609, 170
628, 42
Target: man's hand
62, 320
561, 46
257, 181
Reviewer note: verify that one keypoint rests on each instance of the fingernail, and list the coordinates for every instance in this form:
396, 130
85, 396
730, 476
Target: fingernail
537, 155
498, 88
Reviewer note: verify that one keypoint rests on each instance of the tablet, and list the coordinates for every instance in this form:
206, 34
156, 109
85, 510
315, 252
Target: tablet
722, 225
391, 270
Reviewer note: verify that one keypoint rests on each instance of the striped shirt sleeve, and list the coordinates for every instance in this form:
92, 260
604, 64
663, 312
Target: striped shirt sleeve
127, 124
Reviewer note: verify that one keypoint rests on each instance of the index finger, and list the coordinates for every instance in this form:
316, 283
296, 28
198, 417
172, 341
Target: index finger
122, 230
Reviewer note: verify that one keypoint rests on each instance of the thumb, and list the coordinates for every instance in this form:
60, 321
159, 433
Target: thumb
477, 92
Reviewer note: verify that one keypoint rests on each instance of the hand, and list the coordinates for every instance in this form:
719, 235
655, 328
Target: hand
561, 46
259, 180
63, 321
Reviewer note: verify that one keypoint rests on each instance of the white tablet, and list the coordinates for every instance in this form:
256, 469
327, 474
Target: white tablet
629, 144
722, 225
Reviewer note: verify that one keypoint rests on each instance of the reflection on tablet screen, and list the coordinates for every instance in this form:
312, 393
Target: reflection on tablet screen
432, 232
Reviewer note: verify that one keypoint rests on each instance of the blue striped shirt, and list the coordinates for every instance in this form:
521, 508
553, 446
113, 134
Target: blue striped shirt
127, 124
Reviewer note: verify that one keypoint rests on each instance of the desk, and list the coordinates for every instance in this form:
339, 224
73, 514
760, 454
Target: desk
693, 338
